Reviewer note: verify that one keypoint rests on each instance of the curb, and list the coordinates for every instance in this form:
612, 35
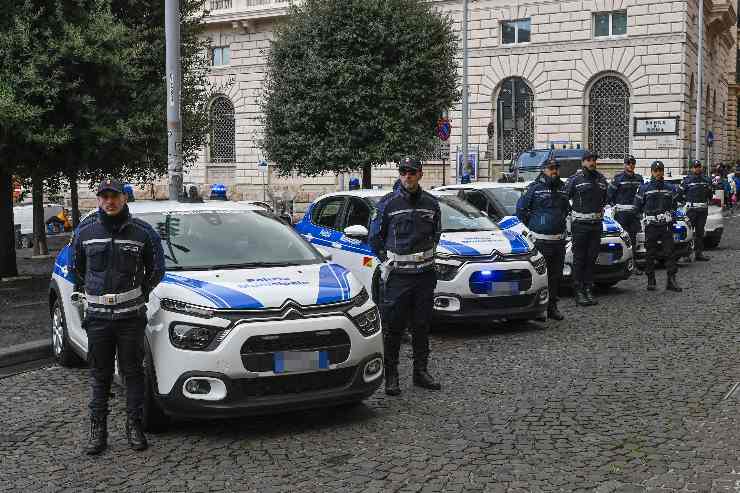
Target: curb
23, 353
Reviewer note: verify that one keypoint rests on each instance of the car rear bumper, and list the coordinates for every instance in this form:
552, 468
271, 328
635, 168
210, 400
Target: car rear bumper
268, 394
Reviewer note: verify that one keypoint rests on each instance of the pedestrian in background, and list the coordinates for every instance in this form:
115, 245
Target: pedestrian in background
587, 190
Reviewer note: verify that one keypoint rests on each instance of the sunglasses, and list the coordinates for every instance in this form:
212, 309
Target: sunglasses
405, 172
553, 166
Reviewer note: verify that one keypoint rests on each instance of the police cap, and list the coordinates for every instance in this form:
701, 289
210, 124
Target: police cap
588, 155
110, 185
409, 163
695, 163
657, 165
630, 160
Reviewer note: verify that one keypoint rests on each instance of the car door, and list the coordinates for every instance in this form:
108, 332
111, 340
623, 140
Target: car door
322, 226
356, 254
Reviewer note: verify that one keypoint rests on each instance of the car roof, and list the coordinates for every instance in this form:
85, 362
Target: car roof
480, 185
149, 206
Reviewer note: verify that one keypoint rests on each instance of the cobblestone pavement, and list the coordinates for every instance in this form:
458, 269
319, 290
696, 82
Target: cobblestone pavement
630, 396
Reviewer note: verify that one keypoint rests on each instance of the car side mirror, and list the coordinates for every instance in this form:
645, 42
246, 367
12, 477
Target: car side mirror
327, 256
357, 231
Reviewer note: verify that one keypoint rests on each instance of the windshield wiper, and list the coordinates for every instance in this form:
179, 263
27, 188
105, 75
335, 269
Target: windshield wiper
248, 265
465, 230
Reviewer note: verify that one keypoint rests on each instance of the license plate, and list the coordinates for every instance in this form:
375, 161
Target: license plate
290, 361
676, 237
504, 288
606, 258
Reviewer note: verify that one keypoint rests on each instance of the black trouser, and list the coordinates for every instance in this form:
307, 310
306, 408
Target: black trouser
698, 219
630, 221
586, 243
105, 337
554, 252
654, 233
408, 301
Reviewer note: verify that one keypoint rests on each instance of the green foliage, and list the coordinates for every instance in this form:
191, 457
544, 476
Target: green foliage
352, 83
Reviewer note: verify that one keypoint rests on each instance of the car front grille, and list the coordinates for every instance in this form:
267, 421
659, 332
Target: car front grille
296, 384
497, 303
258, 352
481, 282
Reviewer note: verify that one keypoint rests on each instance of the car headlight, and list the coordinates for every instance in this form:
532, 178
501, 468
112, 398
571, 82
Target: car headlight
446, 267
195, 337
361, 298
186, 308
538, 262
368, 322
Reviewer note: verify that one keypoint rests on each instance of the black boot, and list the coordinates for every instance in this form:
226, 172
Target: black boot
580, 296
423, 379
135, 433
553, 313
391, 381
671, 284
651, 282
98, 440
588, 291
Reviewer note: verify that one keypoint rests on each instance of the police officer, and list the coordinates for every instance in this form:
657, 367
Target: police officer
405, 232
697, 190
658, 201
544, 209
621, 195
118, 260
587, 191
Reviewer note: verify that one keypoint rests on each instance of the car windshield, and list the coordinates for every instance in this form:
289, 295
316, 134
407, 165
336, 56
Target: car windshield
506, 198
228, 239
532, 159
458, 215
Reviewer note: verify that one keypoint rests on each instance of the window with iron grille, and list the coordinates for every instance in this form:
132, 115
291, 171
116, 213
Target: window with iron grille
609, 118
223, 131
220, 4
515, 118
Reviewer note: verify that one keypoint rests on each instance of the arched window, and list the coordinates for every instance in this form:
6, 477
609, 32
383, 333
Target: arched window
609, 118
515, 122
223, 131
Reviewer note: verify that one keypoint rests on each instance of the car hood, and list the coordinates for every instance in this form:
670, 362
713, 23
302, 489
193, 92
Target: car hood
608, 225
252, 289
472, 244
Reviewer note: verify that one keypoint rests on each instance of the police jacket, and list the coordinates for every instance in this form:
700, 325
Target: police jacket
119, 261
657, 198
697, 189
623, 188
587, 192
407, 226
544, 207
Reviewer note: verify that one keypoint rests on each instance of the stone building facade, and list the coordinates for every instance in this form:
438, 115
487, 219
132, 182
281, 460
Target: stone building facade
590, 73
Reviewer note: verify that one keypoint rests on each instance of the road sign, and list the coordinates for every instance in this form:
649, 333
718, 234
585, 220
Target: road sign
710, 138
444, 150
444, 128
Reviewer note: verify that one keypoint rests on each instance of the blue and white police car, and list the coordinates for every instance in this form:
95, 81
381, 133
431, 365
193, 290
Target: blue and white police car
483, 272
249, 318
615, 262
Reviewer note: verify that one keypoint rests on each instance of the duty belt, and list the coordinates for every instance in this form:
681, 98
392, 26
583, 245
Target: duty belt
588, 216
539, 236
114, 299
412, 258
666, 217
624, 208
697, 205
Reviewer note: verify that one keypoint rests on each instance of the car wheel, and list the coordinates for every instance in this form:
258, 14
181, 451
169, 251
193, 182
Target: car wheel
26, 241
154, 419
63, 352
712, 241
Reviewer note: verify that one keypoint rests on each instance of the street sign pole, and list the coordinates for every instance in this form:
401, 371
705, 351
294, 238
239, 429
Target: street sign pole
699, 81
465, 107
174, 79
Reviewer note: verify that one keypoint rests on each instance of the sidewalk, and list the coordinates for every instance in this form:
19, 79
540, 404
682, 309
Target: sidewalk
24, 310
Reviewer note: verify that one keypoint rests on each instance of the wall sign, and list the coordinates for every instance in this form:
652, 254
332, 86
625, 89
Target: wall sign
656, 126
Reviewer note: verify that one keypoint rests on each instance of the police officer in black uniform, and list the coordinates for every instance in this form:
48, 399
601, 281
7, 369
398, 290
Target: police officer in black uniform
544, 209
697, 190
118, 260
621, 195
658, 200
587, 191
405, 232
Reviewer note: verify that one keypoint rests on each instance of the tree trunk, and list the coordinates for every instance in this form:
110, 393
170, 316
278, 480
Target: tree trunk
39, 227
367, 176
74, 198
8, 265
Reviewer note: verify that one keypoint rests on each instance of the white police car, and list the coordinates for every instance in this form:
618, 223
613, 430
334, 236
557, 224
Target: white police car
249, 318
483, 272
615, 262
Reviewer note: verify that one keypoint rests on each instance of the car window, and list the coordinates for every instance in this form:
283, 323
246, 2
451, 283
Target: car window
477, 199
459, 215
212, 239
506, 198
327, 212
358, 213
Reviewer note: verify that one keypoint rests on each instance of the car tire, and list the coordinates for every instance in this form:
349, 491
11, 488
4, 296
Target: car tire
712, 241
154, 419
26, 241
60, 346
